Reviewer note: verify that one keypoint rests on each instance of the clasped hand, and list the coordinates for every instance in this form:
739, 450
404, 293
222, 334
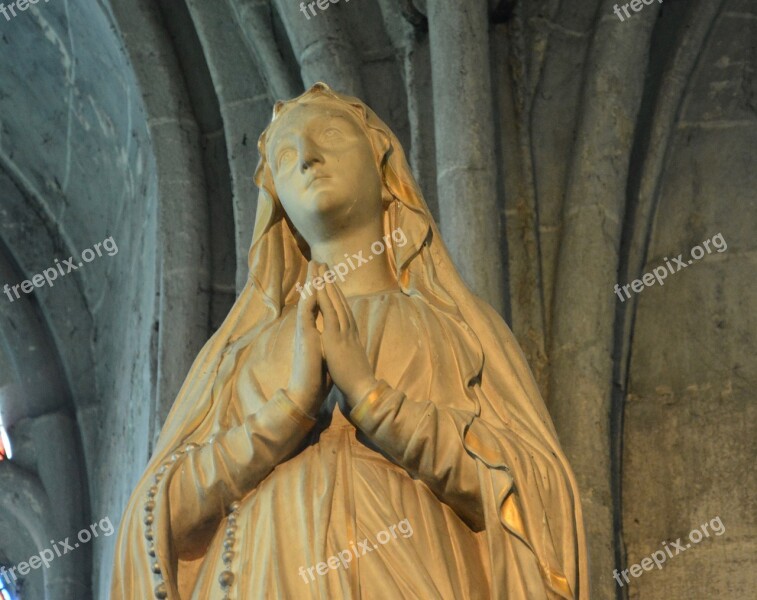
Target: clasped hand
336, 351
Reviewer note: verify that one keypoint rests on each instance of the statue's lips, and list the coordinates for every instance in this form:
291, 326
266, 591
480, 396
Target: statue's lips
312, 180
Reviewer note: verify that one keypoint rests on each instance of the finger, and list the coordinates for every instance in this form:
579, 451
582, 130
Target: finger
306, 311
309, 274
342, 306
331, 292
330, 318
306, 306
312, 270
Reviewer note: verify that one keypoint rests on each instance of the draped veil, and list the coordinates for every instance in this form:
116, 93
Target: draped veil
529, 491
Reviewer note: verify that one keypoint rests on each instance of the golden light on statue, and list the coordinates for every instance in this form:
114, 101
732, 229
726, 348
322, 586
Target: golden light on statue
372, 435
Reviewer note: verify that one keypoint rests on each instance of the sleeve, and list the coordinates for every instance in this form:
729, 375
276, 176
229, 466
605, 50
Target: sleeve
207, 479
427, 441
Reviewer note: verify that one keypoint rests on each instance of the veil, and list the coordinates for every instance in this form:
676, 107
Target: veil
530, 494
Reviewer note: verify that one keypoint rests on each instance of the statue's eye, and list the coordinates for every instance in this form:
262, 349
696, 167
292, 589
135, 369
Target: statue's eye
332, 133
285, 156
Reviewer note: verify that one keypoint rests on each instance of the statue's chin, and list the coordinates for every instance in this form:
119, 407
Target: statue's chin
325, 202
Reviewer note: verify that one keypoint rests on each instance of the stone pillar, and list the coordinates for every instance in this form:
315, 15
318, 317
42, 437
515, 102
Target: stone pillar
322, 46
255, 21
583, 334
465, 152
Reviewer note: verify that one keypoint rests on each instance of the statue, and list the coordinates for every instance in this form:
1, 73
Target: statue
361, 425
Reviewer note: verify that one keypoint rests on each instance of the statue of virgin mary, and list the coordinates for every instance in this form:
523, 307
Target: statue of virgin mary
361, 425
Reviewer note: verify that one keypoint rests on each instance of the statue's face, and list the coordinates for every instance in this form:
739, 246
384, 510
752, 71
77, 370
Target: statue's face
324, 168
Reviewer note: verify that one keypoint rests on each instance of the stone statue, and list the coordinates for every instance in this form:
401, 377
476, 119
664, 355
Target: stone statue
361, 425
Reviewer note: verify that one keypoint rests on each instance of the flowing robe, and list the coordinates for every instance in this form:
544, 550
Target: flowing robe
397, 456
457, 441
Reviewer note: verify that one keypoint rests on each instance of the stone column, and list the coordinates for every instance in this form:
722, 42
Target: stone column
583, 325
255, 21
465, 151
322, 46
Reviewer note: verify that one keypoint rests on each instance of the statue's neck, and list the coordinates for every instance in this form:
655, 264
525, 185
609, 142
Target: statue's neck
359, 259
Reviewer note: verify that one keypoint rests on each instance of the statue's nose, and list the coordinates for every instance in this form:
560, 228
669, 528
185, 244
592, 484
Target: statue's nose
309, 155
